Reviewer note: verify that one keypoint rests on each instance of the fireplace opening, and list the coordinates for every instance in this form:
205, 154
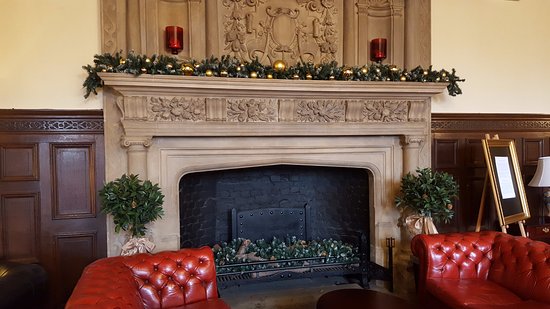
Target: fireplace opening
281, 202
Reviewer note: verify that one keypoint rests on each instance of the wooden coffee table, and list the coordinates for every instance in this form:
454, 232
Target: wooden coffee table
361, 298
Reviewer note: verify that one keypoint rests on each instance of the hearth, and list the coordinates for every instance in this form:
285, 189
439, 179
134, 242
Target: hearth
171, 126
310, 205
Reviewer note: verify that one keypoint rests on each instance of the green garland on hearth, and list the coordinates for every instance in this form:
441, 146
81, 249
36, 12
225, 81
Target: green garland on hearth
228, 66
276, 249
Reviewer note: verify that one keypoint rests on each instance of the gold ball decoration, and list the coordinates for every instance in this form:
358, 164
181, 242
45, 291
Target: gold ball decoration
269, 76
279, 65
238, 68
169, 66
331, 77
103, 70
364, 70
122, 61
143, 70
187, 69
347, 73
394, 68
309, 76
295, 76
223, 73
425, 72
147, 60
253, 74
208, 73
403, 78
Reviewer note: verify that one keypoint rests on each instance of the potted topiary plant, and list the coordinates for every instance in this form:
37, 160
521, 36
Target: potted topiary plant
424, 197
133, 204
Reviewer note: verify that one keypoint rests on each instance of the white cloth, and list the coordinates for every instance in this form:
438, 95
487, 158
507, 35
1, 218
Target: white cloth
137, 245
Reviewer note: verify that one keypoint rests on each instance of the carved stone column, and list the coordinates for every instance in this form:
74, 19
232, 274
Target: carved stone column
137, 147
412, 145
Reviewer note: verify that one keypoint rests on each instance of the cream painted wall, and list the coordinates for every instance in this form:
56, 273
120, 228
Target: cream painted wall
43, 44
501, 47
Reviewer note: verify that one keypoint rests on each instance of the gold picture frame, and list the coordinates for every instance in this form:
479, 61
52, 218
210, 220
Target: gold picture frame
506, 182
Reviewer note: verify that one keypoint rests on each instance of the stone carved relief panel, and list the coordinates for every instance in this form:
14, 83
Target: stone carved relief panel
321, 111
385, 111
292, 30
176, 109
252, 110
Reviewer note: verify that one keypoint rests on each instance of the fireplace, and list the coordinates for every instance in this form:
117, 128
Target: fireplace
166, 127
331, 202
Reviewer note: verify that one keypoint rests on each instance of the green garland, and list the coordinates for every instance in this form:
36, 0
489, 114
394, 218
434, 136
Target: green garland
228, 66
333, 251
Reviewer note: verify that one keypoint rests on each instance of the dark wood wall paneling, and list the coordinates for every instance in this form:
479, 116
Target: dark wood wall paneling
456, 149
51, 167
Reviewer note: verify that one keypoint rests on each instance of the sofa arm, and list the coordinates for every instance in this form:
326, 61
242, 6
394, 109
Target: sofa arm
453, 256
106, 283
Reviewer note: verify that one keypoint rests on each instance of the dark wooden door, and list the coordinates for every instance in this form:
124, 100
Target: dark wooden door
51, 167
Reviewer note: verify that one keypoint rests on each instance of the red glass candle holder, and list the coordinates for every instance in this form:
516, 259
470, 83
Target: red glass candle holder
378, 49
174, 39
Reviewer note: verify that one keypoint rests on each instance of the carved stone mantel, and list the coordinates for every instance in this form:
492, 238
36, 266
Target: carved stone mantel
163, 127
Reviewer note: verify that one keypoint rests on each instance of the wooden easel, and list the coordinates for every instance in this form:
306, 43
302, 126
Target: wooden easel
503, 226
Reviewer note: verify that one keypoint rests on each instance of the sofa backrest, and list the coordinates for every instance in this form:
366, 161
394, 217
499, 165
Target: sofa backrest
522, 266
454, 256
174, 278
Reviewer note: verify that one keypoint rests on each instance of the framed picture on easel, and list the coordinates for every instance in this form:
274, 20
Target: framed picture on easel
504, 175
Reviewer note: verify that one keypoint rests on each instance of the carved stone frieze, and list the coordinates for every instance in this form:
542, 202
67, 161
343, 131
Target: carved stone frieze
271, 30
252, 110
385, 111
176, 109
321, 111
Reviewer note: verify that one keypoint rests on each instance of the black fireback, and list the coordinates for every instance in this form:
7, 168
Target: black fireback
336, 198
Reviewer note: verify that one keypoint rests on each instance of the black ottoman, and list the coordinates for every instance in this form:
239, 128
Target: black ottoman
360, 298
21, 285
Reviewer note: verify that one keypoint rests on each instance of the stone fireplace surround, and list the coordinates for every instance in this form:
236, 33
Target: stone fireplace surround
163, 127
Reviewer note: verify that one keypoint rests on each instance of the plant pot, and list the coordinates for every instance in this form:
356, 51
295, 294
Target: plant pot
418, 224
137, 245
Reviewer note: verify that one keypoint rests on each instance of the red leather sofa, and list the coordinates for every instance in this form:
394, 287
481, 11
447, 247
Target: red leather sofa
482, 270
169, 279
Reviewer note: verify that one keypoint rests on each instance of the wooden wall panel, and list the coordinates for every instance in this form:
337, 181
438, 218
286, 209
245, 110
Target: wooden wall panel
71, 252
18, 162
74, 160
531, 134
52, 166
19, 224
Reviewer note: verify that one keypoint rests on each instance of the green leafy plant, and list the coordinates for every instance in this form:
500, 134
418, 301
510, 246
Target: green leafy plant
132, 203
428, 193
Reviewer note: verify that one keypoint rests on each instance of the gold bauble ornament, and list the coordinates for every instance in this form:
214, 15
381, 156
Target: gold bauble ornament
279, 65
223, 73
425, 72
147, 60
168, 66
365, 70
208, 73
331, 77
103, 70
269, 76
187, 69
309, 76
143, 70
239, 69
394, 68
295, 76
253, 74
347, 72
122, 61
403, 78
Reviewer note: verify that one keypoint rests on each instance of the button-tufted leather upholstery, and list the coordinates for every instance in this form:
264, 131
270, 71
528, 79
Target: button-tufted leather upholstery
169, 279
482, 270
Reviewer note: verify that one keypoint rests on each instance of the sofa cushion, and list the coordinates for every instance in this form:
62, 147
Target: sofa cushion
208, 304
522, 266
459, 293
528, 304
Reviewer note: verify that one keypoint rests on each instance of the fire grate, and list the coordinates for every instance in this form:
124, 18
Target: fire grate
266, 223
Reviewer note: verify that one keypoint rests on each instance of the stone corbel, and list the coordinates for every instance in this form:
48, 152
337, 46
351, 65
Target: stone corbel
132, 108
136, 149
412, 145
